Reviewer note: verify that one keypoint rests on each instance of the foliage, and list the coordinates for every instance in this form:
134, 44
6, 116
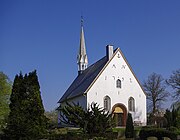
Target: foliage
53, 118
156, 132
168, 116
26, 119
5, 91
155, 90
93, 121
70, 133
174, 82
176, 117
129, 131
75, 136
175, 130
173, 118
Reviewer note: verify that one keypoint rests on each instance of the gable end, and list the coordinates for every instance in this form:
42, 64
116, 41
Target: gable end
116, 51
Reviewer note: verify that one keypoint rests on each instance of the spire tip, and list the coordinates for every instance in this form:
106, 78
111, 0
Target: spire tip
82, 20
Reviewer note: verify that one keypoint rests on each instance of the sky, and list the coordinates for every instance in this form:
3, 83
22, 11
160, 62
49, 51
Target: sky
45, 34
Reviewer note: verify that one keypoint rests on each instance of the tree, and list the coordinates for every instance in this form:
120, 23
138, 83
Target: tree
174, 82
155, 90
5, 91
173, 117
93, 121
168, 116
26, 119
129, 131
53, 118
176, 117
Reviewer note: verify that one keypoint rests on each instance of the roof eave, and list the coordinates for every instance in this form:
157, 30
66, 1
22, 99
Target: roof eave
67, 99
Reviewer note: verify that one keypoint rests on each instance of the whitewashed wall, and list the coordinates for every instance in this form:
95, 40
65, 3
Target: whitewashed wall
106, 85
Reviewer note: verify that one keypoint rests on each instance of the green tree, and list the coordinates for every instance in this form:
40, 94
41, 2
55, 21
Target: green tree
173, 117
53, 118
5, 91
93, 121
176, 117
129, 131
34, 109
168, 116
26, 119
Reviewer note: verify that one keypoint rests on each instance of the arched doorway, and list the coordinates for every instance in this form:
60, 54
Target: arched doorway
119, 114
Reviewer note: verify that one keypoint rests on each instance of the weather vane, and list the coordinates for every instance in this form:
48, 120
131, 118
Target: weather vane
82, 20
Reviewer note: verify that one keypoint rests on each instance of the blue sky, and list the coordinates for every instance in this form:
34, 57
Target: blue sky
44, 35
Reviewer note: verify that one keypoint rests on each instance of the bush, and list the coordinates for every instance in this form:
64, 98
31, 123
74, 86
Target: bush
175, 130
94, 120
80, 136
129, 131
156, 132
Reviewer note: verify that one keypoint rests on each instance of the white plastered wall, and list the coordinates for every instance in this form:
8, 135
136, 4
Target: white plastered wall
105, 84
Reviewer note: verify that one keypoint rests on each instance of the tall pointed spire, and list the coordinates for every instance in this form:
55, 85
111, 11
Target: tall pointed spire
82, 59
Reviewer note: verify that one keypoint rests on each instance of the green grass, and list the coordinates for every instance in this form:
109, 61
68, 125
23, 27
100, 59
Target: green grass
117, 129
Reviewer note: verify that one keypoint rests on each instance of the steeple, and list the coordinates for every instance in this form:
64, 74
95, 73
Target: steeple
82, 59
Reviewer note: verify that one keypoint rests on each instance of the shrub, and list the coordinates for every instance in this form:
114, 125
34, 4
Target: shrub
156, 132
129, 131
73, 135
93, 121
175, 130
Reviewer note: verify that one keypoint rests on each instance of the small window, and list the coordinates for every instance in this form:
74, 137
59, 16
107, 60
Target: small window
118, 83
131, 104
107, 103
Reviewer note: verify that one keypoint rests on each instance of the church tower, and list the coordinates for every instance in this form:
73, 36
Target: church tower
82, 59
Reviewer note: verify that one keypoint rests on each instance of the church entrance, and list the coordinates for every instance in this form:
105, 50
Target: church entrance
119, 114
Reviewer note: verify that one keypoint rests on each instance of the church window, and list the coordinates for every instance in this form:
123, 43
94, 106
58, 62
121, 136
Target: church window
107, 103
118, 83
131, 104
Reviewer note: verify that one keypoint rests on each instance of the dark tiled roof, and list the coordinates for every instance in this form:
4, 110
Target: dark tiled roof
84, 80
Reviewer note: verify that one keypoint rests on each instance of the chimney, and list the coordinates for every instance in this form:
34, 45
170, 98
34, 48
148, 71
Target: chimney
109, 51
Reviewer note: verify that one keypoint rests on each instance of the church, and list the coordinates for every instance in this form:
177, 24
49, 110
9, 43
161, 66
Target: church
110, 82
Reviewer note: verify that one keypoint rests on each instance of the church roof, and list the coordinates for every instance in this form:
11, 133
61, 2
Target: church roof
84, 80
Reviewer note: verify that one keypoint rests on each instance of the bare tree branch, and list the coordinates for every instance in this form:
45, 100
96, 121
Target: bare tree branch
174, 82
155, 89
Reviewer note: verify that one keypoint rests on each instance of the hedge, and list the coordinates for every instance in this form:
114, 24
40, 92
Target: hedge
157, 132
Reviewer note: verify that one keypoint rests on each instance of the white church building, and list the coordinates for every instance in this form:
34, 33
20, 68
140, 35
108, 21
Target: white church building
109, 82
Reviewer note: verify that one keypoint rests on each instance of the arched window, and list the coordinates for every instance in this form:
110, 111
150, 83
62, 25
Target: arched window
107, 103
118, 83
131, 104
